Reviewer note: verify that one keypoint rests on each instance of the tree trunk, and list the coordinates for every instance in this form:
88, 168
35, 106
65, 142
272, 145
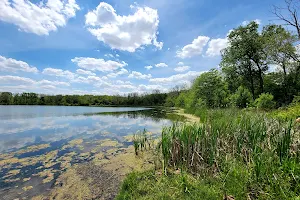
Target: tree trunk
261, 79
251, 82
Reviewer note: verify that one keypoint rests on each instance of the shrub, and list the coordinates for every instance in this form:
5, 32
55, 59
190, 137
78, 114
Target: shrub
265, 101
242, 97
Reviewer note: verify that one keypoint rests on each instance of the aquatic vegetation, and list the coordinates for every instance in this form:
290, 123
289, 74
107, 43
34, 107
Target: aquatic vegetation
33, 148
109, 143
261, 148
141, 141
27, 188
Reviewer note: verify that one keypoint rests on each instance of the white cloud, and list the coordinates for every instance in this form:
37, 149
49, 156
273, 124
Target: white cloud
85, 72
59, 72
117, 55
180, 63
55, 83
40, 18
149, 88
139, 75
121, 72
246, 22
193, 49
215, 46
161, 65
94, 64
15, 80
148, 67
182, 68
12, 65
123, 82
126, 33
177, 79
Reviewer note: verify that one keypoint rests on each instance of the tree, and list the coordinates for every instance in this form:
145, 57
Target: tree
278, 44
6, 98
246, 53
211, 88
291, 18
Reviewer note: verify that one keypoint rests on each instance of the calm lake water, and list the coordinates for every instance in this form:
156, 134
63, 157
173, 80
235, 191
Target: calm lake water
37, 143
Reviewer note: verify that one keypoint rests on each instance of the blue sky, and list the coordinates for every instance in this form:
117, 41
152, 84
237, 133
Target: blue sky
107, 47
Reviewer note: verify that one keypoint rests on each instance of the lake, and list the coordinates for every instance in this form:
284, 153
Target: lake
38, 143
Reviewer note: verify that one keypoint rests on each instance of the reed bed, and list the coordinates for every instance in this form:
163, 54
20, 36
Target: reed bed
265, 150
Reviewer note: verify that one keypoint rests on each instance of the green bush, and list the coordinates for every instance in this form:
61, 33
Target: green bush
265, 101
242, 97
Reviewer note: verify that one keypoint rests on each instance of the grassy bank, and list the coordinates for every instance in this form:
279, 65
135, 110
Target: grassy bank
245, 154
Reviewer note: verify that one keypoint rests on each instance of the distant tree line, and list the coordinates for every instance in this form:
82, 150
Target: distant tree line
134, 99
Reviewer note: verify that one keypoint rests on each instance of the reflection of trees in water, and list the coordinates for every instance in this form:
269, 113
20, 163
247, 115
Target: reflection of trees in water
152, 114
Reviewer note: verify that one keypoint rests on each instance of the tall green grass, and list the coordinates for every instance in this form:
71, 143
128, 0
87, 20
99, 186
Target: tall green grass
265, 150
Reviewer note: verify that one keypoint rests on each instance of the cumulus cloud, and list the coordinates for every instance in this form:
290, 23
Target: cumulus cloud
40, 18
148, 67
12, 65
85, 72
54, 83
16, 82
182, 68
121, 72
177, 79
193, 49
126, 33
215, 46
139, 75
161, 65
98, 64
180, 63
59, 72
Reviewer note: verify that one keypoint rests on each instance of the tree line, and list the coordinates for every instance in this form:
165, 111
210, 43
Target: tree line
134, 99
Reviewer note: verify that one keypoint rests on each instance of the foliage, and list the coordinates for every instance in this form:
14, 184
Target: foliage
253, 154
290, 112
211, 89
155, 98
242, 97
265, 101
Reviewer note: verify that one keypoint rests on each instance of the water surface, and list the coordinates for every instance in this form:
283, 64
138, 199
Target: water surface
38, 143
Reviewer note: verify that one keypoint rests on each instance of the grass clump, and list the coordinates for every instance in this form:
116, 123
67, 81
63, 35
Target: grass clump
150, 185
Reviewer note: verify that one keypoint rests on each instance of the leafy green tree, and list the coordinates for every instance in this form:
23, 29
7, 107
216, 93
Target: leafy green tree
180, 101
211, 88
246, 53
278, 44
6, 98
